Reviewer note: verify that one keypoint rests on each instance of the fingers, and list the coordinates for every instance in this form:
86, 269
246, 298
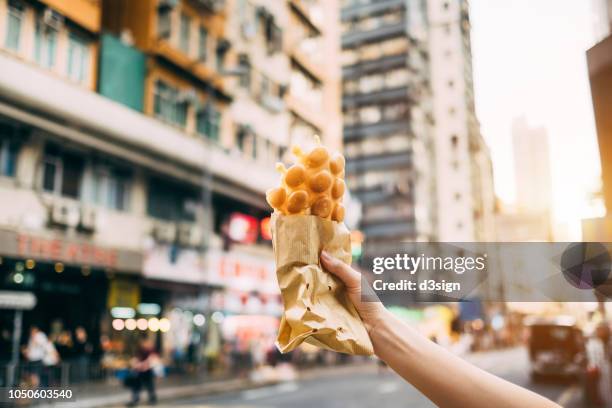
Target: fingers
350, 277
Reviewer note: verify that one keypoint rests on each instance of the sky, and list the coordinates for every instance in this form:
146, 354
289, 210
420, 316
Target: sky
529, 60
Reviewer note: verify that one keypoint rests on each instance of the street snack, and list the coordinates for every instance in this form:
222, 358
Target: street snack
307, 219
312, 186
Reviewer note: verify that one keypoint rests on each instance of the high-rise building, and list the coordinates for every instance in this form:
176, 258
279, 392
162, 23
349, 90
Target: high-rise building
388, 120
532, 168
464, 184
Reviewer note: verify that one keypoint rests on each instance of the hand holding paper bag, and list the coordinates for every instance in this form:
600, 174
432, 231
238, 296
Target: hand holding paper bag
308, 219
316, 305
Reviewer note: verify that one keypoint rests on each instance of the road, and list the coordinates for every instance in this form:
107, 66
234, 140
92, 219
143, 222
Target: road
366, 388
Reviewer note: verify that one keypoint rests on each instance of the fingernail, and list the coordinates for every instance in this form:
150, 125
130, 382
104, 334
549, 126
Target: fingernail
325, 255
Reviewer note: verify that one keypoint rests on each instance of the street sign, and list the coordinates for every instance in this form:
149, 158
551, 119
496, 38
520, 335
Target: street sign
13, 300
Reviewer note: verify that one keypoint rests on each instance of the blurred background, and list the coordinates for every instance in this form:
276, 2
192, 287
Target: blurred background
138, 137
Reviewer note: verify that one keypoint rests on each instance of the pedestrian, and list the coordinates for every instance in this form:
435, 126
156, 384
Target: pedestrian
142, 365
63, 344
447, 380
40, 354
81, 354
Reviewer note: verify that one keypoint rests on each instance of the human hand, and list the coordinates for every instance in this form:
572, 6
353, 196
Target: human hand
371, 313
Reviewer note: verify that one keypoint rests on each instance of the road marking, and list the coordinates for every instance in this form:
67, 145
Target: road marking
388, 387
567, 395
269, 391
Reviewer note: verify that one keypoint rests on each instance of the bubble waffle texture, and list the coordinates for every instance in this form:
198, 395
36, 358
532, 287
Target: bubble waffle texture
313, 185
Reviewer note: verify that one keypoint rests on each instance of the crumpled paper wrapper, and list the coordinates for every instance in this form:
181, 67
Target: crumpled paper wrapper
317, 309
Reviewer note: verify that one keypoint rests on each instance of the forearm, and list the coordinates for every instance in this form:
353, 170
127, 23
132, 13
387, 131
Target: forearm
443, 377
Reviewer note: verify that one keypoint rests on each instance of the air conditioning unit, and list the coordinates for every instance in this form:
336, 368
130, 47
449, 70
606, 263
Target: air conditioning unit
52, 19
167, 4
164, 231
65, 213
88, 218
190, 235
188, 96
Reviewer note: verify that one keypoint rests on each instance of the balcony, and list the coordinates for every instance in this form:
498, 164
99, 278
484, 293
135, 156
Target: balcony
375, 66
357, 132
355, 38
377, 97
379, 162
371, 9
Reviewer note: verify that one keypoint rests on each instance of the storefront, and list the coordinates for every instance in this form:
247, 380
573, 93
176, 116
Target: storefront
69, 277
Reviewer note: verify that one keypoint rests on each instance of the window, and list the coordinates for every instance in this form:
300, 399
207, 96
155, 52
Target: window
167, 105
45, 45
78, 55
274, 37
221, 51
451, 83
246, 141
370, 114
203, 45
208, 122
169, 201
245, 66
8, 157
454, 141
110, 188
13, 26
164, 22
62, 173
185, 33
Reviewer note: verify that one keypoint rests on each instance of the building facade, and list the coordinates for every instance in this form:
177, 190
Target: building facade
135, 149
464, 184
599, 60
388, 120
416, 157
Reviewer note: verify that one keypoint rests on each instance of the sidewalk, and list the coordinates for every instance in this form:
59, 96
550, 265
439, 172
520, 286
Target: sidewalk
105, 395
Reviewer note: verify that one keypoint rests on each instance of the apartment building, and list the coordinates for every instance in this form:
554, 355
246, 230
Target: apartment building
120, 198
388, 120
59, 37
464, 183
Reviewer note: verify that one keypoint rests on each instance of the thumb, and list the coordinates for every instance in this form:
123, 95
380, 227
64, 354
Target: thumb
350, 277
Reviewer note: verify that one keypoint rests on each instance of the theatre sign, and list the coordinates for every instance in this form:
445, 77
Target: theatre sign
53, 248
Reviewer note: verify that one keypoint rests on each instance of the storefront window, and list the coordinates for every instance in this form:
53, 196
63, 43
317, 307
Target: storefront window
78, 56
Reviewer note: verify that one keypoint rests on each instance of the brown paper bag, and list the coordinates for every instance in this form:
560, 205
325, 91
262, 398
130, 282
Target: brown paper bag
316, 306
